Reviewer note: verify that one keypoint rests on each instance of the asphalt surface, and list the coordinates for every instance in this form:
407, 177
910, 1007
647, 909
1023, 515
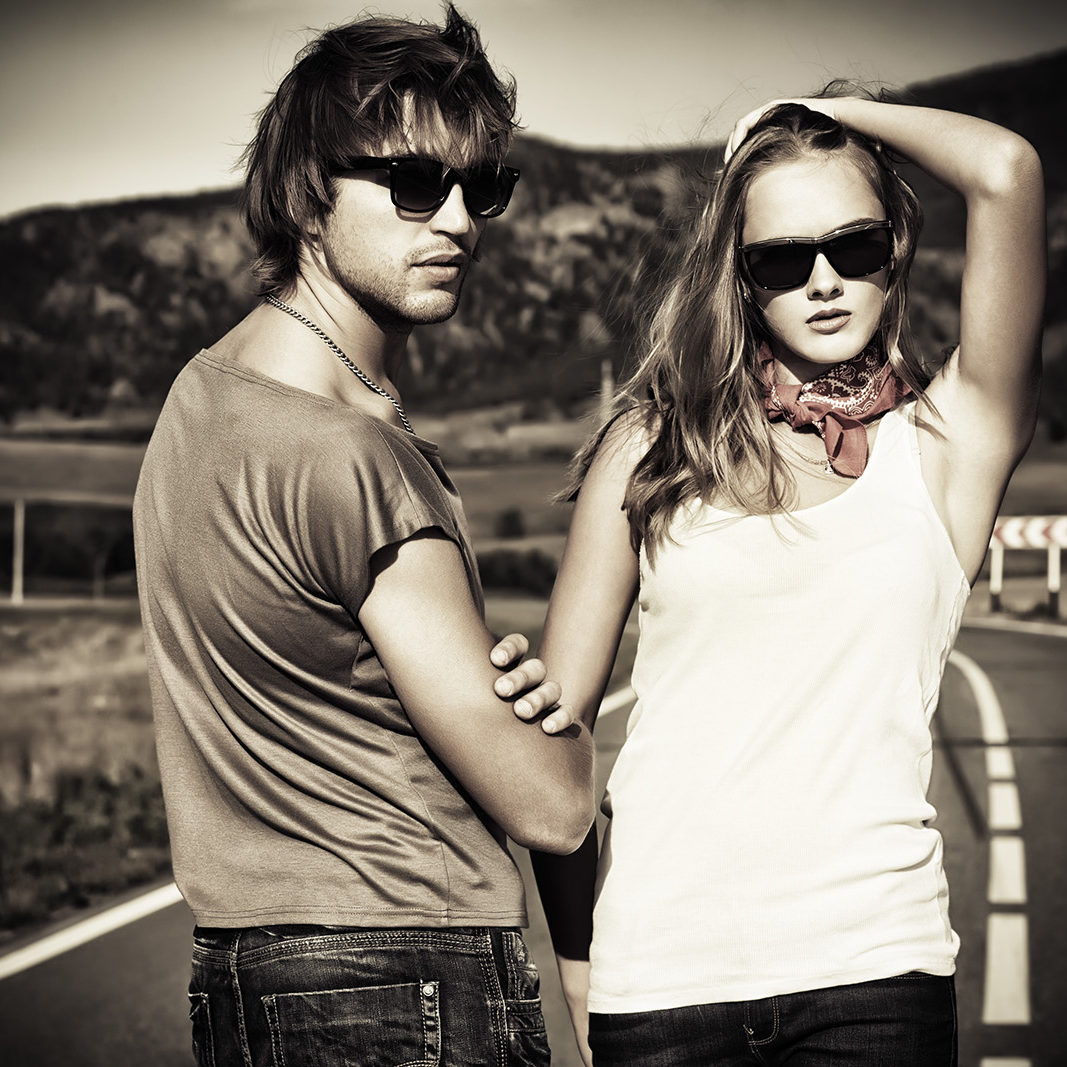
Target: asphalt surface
119, 1001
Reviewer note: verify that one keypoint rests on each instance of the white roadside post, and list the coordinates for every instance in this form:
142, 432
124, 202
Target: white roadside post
18, 561
1028, 532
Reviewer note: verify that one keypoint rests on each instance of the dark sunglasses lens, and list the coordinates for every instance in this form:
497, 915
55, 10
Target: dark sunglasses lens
856, 255
780, 266
487, 191
418, 185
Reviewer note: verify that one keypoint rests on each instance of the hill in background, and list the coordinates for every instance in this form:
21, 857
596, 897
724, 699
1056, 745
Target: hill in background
102, 305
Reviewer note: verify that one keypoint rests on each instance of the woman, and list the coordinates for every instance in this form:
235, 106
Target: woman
800, 505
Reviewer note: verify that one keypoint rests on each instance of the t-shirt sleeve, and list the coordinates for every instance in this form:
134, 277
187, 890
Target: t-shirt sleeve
367, 494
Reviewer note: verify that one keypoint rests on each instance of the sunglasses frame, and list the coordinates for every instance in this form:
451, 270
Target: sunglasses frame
450, 176
818, 245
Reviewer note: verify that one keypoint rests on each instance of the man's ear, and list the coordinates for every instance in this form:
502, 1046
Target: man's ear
310, 225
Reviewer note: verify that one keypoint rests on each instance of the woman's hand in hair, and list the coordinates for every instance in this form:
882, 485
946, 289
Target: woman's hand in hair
743, 127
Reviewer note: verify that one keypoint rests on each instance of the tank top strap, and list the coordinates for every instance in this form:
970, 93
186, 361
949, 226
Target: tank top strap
895, 456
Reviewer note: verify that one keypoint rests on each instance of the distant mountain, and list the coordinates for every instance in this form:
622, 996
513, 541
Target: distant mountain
100, 306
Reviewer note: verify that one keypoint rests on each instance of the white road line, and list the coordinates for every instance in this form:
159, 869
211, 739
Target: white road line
1007, 871
1004, 1061
1007, 964
1017, 626
619, 699
1007, 971
994, 728
1004, 810
88, 929
999, 763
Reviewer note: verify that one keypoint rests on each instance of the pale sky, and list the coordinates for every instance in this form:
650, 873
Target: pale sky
103, 99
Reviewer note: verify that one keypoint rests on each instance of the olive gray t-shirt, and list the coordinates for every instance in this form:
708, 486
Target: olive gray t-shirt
297, 790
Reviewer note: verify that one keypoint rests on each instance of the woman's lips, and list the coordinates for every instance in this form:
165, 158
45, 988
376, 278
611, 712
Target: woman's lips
830, 323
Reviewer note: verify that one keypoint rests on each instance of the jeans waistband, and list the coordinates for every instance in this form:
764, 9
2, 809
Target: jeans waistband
459, 938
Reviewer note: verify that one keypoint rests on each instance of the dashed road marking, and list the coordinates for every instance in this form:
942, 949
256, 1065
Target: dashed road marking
1004, 811
1006, 1000
1007, 971
999, 763
1007, 871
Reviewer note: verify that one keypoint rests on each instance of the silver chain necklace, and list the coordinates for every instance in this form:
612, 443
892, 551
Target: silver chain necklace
824, 462
369, 382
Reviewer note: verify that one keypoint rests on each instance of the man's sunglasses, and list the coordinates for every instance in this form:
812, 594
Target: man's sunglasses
422, 185
786, 263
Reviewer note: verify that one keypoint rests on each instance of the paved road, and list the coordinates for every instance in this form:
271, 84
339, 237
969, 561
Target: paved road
1009, 1007
119, 1000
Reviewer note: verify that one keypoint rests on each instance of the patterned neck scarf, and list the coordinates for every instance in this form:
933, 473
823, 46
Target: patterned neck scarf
837, 403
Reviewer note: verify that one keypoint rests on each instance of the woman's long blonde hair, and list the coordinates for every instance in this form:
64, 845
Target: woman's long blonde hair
697, 391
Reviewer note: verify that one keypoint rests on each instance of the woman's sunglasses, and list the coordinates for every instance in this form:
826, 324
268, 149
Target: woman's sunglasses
422, 185
786, 263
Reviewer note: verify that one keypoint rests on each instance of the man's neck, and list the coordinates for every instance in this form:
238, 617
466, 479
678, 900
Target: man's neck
376, 349
283, 347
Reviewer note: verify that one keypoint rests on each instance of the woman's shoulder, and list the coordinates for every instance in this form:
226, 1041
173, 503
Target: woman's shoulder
625, 440
632, 430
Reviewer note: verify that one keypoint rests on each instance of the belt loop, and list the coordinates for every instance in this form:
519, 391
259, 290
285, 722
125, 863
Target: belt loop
498, 953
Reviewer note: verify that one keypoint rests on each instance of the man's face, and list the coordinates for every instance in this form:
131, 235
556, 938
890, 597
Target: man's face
403, 268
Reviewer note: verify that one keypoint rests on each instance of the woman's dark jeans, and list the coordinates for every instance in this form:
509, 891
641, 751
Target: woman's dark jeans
296, 996
909, 1021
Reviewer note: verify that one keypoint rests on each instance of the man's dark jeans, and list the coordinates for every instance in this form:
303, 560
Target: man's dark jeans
908, 1021
295, 996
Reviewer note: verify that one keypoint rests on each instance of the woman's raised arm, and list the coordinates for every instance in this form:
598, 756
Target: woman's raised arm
999, 176
986, 394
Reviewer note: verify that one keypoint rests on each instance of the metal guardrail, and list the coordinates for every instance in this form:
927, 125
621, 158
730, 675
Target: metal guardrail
50, 496
1048, 532
1010, 532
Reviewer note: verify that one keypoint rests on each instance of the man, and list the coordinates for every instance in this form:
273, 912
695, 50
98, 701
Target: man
338, 772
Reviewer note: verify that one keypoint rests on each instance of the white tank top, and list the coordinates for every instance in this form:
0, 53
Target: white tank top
770, 831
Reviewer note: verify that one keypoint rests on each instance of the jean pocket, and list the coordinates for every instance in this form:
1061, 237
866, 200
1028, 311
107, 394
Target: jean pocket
203, 1036
372, 1026
527, 1036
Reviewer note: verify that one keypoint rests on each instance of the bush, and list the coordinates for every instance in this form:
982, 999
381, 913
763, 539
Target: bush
531, 571
97, 836
510, 523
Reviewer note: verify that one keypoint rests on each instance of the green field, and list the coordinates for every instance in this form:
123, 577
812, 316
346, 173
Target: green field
92, 470
85, 537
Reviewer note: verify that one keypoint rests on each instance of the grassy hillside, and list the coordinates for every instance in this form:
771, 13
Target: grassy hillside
101, 305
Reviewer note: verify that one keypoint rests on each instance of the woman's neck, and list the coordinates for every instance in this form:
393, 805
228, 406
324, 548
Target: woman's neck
791, 369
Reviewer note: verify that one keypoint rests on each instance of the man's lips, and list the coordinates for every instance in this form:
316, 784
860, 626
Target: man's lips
452, 260
443, 268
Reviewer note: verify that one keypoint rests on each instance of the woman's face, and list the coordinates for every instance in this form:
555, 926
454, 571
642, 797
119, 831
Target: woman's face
828, 318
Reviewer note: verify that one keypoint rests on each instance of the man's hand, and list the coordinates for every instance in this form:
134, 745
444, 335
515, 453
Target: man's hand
525, 680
